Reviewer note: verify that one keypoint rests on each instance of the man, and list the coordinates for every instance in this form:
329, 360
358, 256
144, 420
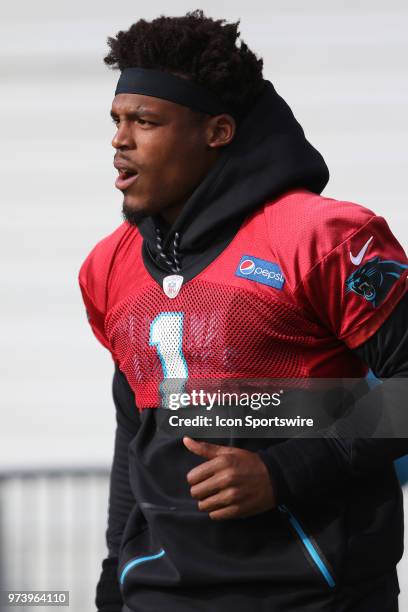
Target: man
231, 265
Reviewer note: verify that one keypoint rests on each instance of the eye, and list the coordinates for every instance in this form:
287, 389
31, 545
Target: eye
141, 121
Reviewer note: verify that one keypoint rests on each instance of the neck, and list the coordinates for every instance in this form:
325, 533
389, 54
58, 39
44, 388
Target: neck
169, 216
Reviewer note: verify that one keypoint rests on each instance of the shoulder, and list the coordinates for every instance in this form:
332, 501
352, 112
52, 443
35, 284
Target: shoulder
305, 227
307, 215
95, 270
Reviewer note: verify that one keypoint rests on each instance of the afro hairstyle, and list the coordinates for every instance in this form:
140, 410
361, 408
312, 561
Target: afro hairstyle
195, 47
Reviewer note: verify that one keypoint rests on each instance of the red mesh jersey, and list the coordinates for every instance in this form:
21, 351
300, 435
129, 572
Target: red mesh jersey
305, 279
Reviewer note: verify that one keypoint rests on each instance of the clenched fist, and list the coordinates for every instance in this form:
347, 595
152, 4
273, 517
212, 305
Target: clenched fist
232, 483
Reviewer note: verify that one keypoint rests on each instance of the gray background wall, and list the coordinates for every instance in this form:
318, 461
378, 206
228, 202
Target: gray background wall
342, 68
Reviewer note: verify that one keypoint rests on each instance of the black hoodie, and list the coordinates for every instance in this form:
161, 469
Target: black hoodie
269, 156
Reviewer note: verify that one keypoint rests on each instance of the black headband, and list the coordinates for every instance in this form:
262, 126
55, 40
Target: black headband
149, 82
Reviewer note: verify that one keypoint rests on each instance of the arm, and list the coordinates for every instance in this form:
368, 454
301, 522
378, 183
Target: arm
121, 500
300, 469
94, 281
302, 465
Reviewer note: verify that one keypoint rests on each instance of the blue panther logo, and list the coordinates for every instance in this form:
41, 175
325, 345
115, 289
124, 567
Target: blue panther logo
374, 279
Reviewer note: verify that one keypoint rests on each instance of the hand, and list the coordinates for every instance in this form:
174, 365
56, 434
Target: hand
233, 483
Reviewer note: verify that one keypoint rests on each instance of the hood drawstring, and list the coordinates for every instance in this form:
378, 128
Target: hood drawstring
171, 260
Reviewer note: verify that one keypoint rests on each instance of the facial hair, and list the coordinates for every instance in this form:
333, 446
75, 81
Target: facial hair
133, 217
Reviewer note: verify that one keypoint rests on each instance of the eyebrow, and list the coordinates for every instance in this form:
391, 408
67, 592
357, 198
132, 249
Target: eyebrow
136, 114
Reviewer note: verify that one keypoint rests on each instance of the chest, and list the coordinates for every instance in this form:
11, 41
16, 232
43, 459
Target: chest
236, 319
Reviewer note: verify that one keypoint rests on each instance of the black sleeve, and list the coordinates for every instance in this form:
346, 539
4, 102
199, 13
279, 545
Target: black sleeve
121, 501
300, 467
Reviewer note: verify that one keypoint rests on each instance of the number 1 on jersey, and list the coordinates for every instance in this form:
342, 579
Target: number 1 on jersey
166, 334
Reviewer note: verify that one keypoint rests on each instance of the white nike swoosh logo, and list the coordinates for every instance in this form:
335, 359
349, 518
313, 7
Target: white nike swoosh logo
356, 260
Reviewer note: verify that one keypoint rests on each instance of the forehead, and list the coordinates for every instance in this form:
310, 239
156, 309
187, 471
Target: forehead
124, 104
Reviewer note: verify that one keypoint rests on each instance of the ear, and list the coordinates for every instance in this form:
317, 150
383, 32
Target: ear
220, 130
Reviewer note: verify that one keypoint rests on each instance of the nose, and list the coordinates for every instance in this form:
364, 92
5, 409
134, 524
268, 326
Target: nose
123, 138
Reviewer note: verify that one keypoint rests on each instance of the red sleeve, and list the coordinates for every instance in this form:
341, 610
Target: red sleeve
95, 311
94, 281
354, 288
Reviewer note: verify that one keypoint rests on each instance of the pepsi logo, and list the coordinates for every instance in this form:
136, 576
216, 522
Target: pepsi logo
247, 266
260, 271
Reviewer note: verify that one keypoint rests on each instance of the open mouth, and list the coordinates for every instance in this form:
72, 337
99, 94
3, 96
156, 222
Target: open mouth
125, 179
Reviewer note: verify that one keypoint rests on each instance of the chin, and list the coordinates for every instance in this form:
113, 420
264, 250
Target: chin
133, 214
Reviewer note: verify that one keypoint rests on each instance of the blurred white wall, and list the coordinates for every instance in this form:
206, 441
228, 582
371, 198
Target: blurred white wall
342, 68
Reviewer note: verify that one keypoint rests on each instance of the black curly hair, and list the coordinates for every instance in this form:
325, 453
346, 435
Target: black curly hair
196, 47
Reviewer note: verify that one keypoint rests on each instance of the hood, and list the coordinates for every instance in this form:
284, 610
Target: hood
268, 156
